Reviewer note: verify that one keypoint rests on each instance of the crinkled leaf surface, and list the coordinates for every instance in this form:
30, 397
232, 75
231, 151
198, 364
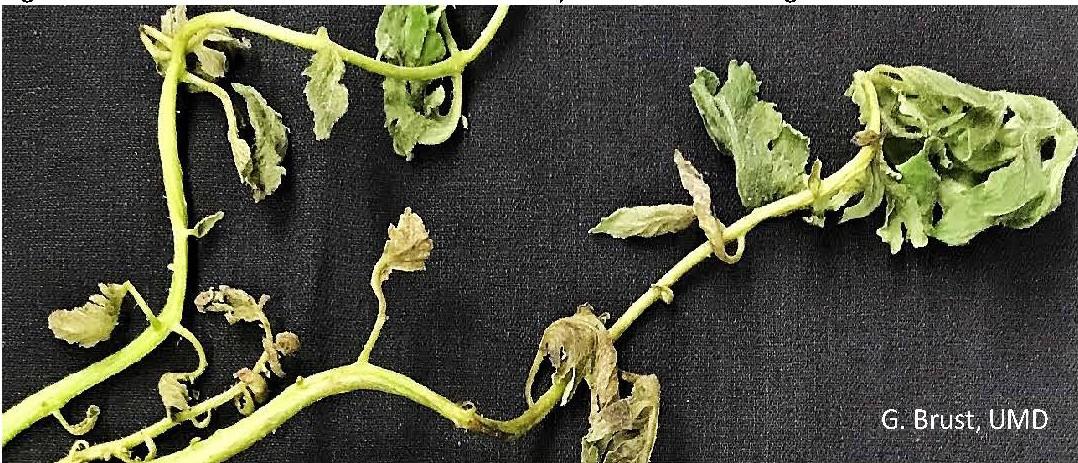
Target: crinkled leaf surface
580, 349
94, 321
407, 248
173, 392
646, 221
211, 53
407, 35
625, 430
326, 95
770, 156
262, 172
976, 155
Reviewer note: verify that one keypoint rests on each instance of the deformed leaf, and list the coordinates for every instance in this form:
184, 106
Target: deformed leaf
646, 221
408, 35
625, 430
204, 226
235, 303
580, 349
693, 182
769, 154
326, 96
407, 248
974, 155
255, 383
262, 172
94, 321
286, 342
82, 427
211, 51
173, 392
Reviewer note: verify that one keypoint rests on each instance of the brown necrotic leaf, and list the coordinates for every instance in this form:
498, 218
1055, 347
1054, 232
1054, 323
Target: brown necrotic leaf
580, 349
625, 430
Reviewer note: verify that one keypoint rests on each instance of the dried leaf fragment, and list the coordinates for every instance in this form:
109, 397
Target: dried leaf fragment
625, 430
82, 427
255, 383
173, 391
94, 321
646, 221
407, 249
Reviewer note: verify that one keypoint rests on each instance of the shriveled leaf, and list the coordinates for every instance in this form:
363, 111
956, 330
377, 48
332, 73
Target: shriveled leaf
206, 224
769, 155
173, 392
694, 183
286, 342
625, 430
326, 95
255, 383
408, 35
263, 171
211, 52
273, 358
580, 349
973, 154
235, 303
94, 321
646, 221
407, 248
82, 427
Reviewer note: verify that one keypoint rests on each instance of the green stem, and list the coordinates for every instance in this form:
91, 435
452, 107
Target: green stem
56, 395
454, 64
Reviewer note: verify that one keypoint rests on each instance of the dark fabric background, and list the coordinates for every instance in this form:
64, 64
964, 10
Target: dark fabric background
791, 355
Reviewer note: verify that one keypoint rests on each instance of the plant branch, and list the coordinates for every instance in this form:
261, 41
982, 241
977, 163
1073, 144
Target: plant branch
56, 395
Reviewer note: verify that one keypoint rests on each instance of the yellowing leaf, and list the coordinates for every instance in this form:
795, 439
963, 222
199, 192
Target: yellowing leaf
625, 430
407, 248
646, 221
82, 427
235, 303
580, 349
173, 392
94, 321
693, 182
326, 96
263, 171
255, 383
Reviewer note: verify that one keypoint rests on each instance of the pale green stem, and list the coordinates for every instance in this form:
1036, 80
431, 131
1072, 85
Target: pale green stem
56, 395
141, 303
190, 337
380, 319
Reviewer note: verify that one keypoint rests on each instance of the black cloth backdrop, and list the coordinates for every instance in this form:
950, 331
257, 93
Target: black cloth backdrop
790, 355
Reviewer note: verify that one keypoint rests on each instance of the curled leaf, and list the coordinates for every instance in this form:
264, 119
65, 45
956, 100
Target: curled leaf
769, 154
408, 35
407, 248
211, 50
173, 391
665, 293
625, 430
235, 303
646, 221
273, 358
326, 96
255, 383
286, 342
94, 321
580, 349
974, 155
82, 427
693, 182
262, 172
206, 224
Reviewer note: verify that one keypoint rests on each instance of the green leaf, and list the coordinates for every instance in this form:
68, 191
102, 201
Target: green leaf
263, 172
94, 321
625, 430
646, 221
407, 35
326, 96
580, 349
204, 226
770, 156
973, 154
